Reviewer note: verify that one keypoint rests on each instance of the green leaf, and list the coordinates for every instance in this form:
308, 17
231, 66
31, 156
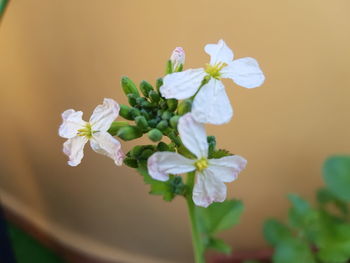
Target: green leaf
336, 172
292, 251
220, 216
219, 245
301, 214
275, 232
324, 197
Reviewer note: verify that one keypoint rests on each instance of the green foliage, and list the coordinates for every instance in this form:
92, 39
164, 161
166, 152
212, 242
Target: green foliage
216, 218
168, 190
217, 154
336, 173
316, 234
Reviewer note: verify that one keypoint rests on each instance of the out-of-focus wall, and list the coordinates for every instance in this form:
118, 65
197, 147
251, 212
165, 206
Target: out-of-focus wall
56, 55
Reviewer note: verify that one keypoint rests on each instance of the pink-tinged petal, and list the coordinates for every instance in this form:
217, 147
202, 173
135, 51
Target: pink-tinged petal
193, 136
211, 104
227, 168
244, 72
106, 144
74, 149
104, 114
161, 164
219, 52
72, 122
208, 189
178, 57
182, 85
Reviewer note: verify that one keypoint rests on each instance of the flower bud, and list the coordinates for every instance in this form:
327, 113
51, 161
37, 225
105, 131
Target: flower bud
145, 88
134, 113
125, 112
132, 99
131, 162
146, 153
129, 87
115, 126
174, 120
166, 115
162, 125
172, 104
162, 147
154, 96
136, 151
159, 83
155, 135
152, 123
141, 122
177, 59
128, 133
184, 107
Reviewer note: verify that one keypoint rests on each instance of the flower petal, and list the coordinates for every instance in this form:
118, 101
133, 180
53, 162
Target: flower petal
193, 136
208, 188
211, 104
227, 168
244, 72
74, 149
104, 114
106, 144
72, 122
161, 164
182, 85
219, 52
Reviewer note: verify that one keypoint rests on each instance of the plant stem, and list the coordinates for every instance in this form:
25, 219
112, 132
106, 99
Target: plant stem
196, 237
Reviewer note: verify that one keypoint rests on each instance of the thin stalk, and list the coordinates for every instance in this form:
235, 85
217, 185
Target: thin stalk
3, 4
196, 236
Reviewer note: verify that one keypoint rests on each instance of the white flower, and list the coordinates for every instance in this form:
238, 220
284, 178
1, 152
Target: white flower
79, 132
211, 104
211, 174
177, 58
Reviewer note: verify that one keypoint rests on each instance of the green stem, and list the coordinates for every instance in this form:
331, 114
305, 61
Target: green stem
196, 235
3, 4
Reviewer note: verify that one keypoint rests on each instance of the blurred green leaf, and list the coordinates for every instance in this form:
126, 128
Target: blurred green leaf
336, 172
219, 245
293, 251
275, 232
324, 197
3, 4
220, 216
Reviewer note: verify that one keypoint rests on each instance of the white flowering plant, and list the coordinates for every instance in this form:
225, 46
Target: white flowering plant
173, 115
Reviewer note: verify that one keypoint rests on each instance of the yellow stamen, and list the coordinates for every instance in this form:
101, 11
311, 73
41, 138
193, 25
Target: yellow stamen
201, 164
87, 131
214, 70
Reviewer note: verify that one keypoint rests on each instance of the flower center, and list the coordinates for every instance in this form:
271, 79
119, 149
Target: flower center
201, 164
86, 131
214, 70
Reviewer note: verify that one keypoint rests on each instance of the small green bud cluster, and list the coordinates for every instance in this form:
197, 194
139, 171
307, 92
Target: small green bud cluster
152, 114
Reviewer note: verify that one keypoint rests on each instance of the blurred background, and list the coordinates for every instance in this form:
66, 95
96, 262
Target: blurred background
56, 55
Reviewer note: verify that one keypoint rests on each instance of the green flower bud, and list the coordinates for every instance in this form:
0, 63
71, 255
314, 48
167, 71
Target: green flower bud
129, 86
174, 138
152, 123
131, 162
141, 122
146, 104
162, 147
162, 125
172, 104
155, 135
145, 88
163, 105
166, 115
159, 83
136, 151
132, 99
169, 67
146, 153
174, 120
184, 107
125, 112
212, 143
134, 113
154, 96
128, 133
115, 126
145, 114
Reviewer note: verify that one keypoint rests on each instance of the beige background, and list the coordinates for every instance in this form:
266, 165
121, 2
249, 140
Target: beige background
56, 55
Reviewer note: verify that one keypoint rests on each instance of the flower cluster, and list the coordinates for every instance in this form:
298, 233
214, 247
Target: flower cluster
177, 108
